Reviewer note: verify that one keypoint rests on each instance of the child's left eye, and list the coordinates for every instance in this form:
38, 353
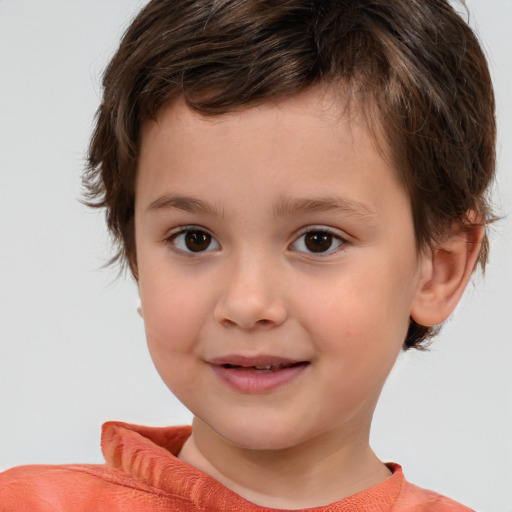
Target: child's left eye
318, 241
193, 240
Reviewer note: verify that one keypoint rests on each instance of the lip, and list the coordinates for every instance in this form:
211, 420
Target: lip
239, 372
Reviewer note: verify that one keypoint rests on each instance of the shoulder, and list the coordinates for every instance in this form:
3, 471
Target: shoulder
41, 488
139, 461
415, 499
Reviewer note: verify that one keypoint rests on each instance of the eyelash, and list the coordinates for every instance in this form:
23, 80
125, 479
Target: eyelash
182, 232
335, 238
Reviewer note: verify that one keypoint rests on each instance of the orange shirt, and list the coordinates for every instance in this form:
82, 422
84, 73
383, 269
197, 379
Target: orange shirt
142, 474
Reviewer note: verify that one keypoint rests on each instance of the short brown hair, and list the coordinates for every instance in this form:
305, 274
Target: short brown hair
416, 61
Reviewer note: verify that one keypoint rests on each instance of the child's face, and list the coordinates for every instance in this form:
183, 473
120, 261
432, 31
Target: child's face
275, 235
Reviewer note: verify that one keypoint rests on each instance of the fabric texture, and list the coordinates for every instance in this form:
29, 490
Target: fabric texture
142, 473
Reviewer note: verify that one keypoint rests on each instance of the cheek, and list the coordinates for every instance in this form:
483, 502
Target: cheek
361, 316
174, 312
172, 323
358, 329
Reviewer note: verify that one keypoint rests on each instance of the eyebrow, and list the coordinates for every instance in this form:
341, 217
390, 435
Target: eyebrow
185, 203
289, 206
284, 207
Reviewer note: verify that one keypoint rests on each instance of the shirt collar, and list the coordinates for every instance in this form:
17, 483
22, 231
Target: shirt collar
149, 455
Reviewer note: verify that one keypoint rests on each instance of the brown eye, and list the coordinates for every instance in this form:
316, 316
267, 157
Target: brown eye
197, 241
318, 241
193, 241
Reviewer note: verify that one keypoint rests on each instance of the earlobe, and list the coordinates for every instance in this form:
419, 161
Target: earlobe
446, 270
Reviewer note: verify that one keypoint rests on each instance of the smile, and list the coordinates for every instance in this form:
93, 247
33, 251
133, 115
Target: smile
262, 368
253, 376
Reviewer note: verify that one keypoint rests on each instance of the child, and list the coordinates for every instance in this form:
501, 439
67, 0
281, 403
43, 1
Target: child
299, 191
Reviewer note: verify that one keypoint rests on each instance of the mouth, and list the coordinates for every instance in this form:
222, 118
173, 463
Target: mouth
265, 368
261, 374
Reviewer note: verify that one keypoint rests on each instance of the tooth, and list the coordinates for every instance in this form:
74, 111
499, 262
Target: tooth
266, 367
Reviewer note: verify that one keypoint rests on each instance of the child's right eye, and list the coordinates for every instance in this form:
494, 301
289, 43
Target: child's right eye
319, 240
194, 241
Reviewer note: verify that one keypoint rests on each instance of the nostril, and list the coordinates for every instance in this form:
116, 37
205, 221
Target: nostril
263, 323
226, 322
249, 314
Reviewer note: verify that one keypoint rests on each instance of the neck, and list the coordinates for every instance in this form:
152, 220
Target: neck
319, 472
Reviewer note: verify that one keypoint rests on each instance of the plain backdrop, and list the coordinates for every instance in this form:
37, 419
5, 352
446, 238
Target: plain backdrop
72, 348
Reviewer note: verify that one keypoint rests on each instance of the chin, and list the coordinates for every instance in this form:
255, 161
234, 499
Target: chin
260, 435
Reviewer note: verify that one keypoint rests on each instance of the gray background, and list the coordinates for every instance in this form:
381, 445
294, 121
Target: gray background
72, 350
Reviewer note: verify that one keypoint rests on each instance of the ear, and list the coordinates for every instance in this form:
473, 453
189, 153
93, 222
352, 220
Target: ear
446, 270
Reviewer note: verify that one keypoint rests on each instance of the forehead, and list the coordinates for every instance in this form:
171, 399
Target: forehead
324, 106
294, 142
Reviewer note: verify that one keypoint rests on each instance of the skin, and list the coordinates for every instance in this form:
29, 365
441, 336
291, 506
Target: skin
256, 289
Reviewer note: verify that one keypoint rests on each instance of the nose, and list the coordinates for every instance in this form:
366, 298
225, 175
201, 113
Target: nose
251, 296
